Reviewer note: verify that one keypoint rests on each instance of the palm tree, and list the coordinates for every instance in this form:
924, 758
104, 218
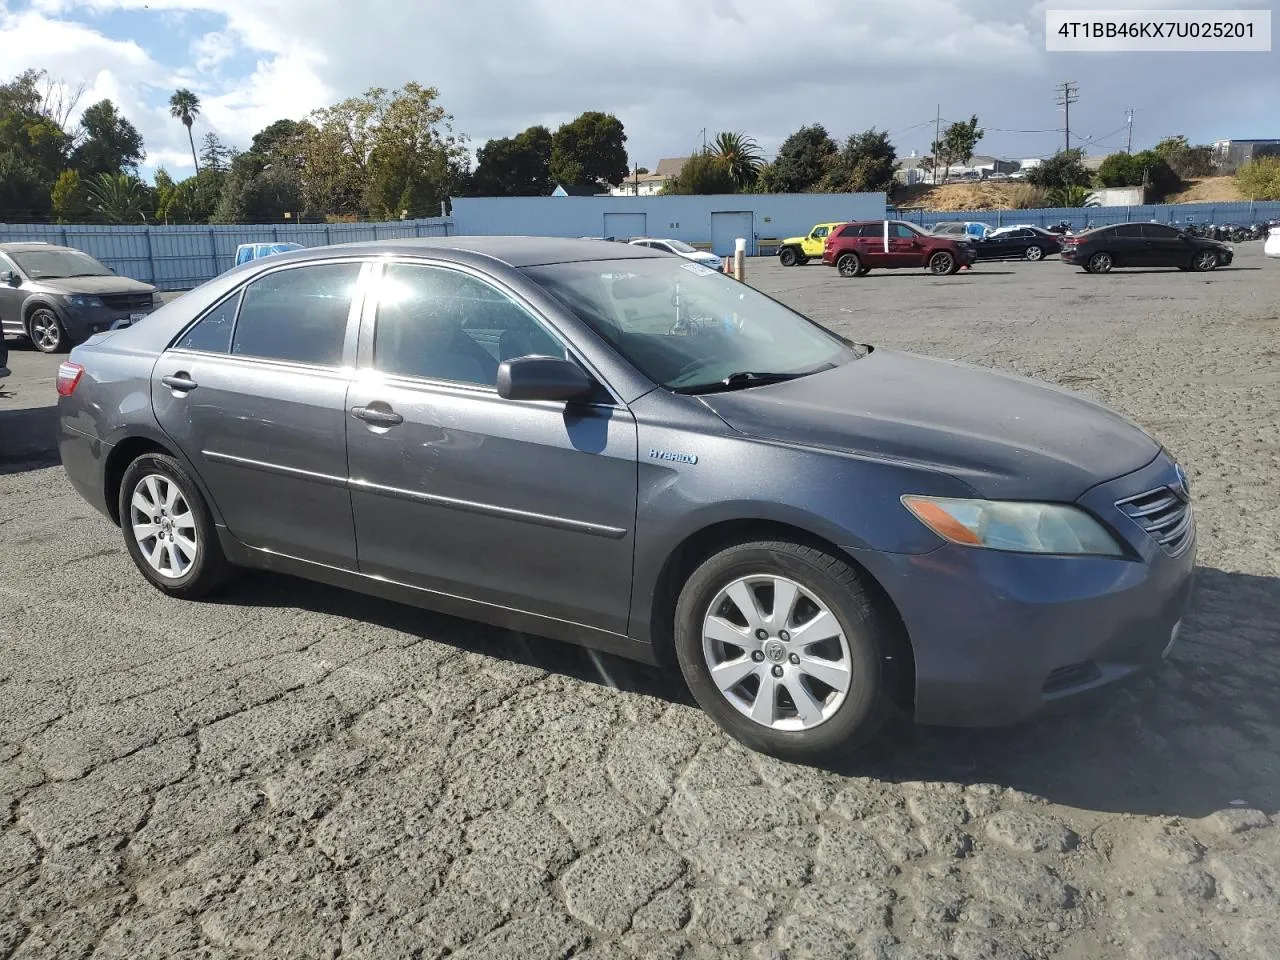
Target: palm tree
118, 198
740, 156
185, 106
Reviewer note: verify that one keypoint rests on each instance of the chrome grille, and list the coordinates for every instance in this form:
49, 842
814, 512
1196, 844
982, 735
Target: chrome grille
1164, 514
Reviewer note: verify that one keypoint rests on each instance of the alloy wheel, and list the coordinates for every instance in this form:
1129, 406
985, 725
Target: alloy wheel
1034, 253
941, 264
776, 652
164, 526
46, 331
1100, 263
849, 266
1206, 260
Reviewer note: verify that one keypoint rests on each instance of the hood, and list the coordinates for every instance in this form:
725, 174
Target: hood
97, 285
1003, 435
704, 257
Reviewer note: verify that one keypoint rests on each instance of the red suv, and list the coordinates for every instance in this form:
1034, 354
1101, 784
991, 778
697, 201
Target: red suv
857, 248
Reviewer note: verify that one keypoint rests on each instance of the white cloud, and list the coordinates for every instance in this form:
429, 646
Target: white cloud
668, 68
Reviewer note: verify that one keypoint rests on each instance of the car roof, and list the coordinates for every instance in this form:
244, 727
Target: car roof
513, 251
29, 246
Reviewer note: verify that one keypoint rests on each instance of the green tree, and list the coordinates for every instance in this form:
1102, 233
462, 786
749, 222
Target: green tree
518, 166
69, 198
185, 106
215, 154
1147, 168
703, 174
24, 193
1259, 179
119, 198
865, 164
1184, 159
194, 200
802, 160
257, 193
1072, 195
1064, 169
957, 144
30, 131
592, 148
284, 142
108, 142
740, 155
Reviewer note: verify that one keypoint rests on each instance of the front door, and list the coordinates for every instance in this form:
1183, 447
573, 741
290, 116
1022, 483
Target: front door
526, 505
1132, 248
905, 247
254, 395
11, 298
816, 241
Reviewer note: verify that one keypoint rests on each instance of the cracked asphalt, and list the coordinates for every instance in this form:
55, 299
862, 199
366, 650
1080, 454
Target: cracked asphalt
293, 771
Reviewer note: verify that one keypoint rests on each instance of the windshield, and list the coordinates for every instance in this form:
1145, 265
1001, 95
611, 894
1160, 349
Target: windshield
58, 264
680, 246
688, 327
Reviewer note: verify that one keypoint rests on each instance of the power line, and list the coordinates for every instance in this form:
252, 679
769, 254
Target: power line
1068, 93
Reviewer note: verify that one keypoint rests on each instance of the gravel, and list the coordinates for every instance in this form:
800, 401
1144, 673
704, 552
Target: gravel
295, 771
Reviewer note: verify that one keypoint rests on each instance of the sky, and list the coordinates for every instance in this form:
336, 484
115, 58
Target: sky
669, 69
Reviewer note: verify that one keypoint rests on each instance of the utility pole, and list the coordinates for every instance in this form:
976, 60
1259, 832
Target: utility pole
1068, 93
937, 137
1129, 146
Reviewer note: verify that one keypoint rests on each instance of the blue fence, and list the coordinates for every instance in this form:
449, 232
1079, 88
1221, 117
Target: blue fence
182, 257
1080, 218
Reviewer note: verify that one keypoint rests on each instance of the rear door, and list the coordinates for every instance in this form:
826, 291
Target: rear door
1131, 248
254, 394
1166, 246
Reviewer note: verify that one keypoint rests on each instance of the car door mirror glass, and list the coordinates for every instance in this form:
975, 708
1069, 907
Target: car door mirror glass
543, 378
9, 278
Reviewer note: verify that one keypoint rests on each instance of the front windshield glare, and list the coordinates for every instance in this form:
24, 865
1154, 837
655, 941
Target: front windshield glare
686, 326
52, 264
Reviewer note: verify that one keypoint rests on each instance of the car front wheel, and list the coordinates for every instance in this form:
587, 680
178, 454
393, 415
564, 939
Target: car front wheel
942, 263
1205, 260
168, 530
781, 644
789, 257
46, 331
849, 265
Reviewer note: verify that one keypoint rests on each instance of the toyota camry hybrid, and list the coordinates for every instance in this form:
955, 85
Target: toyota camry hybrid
613, 446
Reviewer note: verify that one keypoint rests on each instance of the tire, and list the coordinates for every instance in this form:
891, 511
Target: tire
849, 265
1034, 253
46, 332
857, 637
1100, 262
804, 260
943, 264
1204, 261
863, 271
788, 257
150, 478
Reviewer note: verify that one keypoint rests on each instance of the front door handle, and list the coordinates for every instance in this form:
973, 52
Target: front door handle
377, 417
179, 381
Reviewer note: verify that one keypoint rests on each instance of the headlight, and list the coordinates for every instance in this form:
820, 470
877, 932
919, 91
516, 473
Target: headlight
82, 300
1014, 526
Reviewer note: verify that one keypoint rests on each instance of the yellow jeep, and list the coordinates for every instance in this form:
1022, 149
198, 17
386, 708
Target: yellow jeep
797, 251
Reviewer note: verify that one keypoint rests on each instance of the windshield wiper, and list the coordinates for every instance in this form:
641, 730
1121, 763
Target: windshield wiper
743, 378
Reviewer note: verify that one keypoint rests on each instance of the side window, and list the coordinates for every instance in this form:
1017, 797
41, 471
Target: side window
902, 232
1158, 231
821, 232
298, 315
443, 324
212, 332
1129, 231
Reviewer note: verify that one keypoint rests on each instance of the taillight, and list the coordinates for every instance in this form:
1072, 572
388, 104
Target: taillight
69, 375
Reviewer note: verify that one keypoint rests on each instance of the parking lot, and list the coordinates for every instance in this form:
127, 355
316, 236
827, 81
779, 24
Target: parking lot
292, 771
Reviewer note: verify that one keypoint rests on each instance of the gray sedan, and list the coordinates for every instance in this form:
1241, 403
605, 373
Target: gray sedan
606, 445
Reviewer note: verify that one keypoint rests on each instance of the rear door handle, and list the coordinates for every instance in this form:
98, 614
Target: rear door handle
376, 417
179, 381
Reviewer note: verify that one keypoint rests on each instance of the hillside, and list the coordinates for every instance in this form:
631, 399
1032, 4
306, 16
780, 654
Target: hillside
1006, 195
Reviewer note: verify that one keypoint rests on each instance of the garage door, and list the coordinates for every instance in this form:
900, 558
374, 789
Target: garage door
726, 228
624, 226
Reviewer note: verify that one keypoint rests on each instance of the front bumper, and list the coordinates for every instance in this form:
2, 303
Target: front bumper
83, 322
1000, 637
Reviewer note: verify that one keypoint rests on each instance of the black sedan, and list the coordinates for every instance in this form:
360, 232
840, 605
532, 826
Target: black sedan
1143, 245
1018, 243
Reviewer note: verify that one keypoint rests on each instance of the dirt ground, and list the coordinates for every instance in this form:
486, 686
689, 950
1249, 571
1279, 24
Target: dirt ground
292, 771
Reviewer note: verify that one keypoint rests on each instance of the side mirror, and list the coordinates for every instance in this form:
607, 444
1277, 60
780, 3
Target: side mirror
543, 378
9, 278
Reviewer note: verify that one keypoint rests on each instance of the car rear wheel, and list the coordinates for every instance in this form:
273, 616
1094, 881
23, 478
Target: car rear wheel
46, 331
781, 644
942, 264
789, 257
849, 265
1205, 260
168, 530
1034, 253
1100, 262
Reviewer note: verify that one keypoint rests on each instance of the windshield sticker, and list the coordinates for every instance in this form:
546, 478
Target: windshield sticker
698, 270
